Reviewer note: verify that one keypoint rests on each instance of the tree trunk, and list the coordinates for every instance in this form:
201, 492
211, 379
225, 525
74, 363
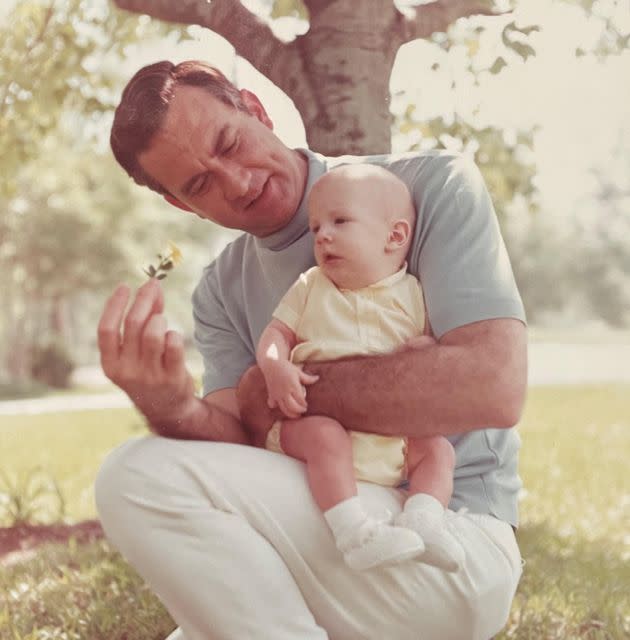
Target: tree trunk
58, 317
349, 84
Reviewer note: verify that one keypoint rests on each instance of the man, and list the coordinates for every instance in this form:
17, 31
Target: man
228, 535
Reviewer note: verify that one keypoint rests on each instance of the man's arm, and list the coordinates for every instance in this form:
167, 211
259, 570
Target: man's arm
147, 362
474, 377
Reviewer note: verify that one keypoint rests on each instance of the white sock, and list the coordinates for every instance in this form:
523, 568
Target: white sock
424, 502
346, 515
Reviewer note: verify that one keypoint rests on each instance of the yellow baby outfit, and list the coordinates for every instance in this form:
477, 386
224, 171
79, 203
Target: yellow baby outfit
331, 323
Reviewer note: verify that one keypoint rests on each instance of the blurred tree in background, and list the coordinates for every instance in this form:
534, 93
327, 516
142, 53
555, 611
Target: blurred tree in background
72, 224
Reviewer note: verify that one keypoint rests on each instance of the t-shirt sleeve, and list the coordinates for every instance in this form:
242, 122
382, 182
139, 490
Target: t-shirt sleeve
225, 354
458, 253
291, 306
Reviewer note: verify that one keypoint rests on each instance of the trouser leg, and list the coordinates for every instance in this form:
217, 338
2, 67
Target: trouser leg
231, 540
219, 578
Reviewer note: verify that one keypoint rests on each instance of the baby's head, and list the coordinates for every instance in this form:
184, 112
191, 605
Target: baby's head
362, 218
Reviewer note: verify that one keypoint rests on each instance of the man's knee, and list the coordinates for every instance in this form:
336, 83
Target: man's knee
114, 481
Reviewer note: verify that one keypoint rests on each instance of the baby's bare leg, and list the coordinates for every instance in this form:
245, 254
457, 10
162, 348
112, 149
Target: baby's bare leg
324, 445
431, 462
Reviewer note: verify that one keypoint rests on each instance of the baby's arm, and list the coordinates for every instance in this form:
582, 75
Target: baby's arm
285, 381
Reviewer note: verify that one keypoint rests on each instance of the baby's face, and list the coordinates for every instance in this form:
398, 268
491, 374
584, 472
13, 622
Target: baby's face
350, 229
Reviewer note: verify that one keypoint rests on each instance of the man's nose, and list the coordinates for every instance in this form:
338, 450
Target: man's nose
235, 180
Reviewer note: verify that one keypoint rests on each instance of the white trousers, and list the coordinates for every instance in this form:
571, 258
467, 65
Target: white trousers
233, 544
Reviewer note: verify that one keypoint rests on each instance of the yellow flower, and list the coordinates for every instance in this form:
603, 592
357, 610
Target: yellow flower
174, 253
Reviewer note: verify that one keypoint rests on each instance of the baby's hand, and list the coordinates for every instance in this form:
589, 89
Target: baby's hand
285, 387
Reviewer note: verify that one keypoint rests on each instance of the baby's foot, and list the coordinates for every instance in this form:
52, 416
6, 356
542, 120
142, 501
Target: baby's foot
442, 549
375, 543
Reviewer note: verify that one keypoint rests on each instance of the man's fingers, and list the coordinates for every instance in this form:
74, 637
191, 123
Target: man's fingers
109, 327
149, 300
173, 352
299, 397
153, 342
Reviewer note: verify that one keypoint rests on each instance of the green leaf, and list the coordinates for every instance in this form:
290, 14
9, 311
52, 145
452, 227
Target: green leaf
497, 65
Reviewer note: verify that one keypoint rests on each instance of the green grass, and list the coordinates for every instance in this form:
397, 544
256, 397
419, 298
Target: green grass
575, 531
575, 515
78, 592
68, 447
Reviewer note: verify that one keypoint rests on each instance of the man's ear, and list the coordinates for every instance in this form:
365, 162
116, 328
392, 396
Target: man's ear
255, 108
176, 203
399, 235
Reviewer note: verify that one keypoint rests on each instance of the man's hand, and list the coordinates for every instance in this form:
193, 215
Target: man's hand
251, 396
285, 387
145, 359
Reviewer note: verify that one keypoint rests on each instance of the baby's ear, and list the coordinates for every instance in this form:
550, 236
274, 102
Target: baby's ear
399, 235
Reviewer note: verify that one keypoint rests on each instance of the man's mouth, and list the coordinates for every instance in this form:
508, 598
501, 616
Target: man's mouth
257, 195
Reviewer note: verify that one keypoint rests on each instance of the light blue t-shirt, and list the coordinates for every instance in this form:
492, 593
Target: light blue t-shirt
457, 254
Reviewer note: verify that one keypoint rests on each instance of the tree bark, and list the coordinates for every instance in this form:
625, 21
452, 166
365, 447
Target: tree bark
348, 57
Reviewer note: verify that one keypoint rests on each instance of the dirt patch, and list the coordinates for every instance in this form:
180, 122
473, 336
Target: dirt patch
21, 540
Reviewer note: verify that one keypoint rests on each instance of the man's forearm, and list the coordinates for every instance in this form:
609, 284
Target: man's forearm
442, 389
201, 420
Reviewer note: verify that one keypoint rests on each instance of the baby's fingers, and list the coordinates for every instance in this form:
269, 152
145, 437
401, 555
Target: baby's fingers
308, 378
291, 408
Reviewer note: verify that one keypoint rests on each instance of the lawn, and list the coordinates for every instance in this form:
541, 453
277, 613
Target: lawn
575, 533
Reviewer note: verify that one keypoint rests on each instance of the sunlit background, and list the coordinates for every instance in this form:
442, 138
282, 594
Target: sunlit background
560, 108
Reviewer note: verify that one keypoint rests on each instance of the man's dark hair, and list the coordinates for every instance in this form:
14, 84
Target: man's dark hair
144, 105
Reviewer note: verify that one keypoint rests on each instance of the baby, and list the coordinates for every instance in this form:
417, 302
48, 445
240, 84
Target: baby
359, 300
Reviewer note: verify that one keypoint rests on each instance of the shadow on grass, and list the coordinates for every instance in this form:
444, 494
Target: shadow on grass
571, 587
78, 592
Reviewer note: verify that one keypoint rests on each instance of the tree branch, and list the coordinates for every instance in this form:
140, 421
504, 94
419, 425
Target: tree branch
250, 36
424, 20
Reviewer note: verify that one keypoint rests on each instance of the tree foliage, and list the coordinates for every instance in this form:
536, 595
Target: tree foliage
71, 223
57, 57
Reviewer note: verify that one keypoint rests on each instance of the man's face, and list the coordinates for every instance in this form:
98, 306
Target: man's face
226, 165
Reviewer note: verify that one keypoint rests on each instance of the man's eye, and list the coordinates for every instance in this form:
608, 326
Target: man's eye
199, 186
231, 147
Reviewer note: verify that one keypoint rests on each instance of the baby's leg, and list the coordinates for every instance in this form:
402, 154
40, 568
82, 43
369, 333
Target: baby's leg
325, 446
431, 462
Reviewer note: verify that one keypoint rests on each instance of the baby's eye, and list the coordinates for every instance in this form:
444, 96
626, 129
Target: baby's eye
315, 228
340, 220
